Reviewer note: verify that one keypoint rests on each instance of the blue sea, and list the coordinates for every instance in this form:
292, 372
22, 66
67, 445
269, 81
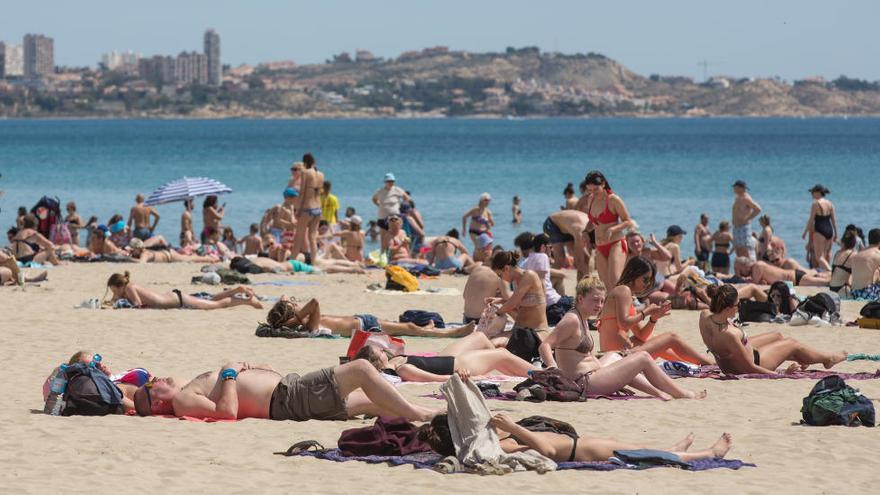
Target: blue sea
668, 171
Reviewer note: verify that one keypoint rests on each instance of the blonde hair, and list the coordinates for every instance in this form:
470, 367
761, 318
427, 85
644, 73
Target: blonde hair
79, 357
589, 284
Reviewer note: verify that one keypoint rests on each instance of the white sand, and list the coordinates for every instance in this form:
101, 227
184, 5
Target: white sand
40, 453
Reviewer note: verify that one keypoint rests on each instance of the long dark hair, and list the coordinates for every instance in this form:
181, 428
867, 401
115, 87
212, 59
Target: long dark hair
210, 201
596, 178
437, 435
784, 296
722, 297
504, 258
637, 267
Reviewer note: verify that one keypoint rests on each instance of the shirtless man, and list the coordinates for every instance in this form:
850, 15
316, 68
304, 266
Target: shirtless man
252, 243
187, 233
308, 214
239, 390
443, 251
703, 242
282, 219
744, 211
762, 273
866, 269
569, 228
481, 284
139, 219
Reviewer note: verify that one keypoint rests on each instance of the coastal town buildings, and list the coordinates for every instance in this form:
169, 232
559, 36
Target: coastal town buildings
124, 62
39, 56
191, 68
212, 52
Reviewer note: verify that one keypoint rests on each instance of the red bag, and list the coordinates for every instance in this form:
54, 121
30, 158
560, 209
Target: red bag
361, 338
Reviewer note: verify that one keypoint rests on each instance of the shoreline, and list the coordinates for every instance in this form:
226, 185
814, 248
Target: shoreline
456, 117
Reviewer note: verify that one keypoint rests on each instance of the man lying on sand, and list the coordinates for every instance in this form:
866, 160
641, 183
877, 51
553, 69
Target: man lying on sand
239, 390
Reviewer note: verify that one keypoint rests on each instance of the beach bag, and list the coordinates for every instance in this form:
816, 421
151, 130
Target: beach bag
524, 342
59, 233
398, 278
244, 265
422, 318
90, 393
833, 402
818, 305
361, 338
491, 323
756, 311
48, 213
871, 310
556, 386
872, 323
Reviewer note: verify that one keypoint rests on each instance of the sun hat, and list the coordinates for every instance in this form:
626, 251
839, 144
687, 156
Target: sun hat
389, 177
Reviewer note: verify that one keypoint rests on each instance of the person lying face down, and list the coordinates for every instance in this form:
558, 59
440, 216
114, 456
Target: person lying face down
239, 390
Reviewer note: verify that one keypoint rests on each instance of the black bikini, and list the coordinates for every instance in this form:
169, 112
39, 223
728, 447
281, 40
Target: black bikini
842, 266
438, 365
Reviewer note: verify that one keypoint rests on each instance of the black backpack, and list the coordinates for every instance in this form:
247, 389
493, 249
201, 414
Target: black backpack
818, 305
244, 265
833, 402
871, 310
422, 318
90, 393
756, 311
524, 342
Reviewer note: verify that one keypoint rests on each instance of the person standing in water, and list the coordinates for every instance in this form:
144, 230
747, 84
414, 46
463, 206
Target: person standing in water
745, 209
703, 242
187, 233
822, 227
481, 222
308, 214
516, 211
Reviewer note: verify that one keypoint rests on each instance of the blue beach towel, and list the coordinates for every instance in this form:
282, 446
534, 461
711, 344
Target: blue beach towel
287, 283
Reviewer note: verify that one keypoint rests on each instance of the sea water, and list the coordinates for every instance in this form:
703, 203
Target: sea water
668, 171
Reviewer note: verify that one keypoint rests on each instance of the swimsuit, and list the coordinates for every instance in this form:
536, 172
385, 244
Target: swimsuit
607, 342
585, 346
742, 236
605, 249
573, 437
479, 219
721, 260
606, 217
446, 263
438, 365
798, 275
315, 212
556, 235
299, 266
368, 322
871, 292
314, 395
842, 266
822, 225
180, 298
143, 233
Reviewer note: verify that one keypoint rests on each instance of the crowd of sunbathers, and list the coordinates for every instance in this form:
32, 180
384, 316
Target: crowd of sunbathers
517, 316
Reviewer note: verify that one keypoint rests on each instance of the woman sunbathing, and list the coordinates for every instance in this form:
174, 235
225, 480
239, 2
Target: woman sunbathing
288, 313
29, 245
167, 255
474, 353
564, 446
122, 288
573, 355
619, 317
737, 353
127, 382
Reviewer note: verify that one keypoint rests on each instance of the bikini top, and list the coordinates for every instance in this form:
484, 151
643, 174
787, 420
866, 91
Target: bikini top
842, 265
585, 346
480, 219
607, 216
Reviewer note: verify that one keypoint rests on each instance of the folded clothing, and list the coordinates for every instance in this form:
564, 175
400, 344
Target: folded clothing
387, 436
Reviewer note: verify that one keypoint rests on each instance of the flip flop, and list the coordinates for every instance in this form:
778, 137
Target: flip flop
304, 446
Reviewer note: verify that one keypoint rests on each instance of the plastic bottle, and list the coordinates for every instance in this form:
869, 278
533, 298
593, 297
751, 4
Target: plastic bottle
55, 400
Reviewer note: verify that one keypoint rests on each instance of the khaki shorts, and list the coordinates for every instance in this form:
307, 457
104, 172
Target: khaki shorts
314, 395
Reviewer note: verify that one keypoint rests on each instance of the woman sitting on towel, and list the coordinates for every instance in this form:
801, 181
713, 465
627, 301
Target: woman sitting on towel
474, 353
560, 442
141, 297
570, 348
288, 313
527, 304
737, 353
619, 317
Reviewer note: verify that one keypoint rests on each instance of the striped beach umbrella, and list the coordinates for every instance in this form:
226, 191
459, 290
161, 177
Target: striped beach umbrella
186, 188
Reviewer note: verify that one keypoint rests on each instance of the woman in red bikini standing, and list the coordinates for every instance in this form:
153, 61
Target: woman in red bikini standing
610, 218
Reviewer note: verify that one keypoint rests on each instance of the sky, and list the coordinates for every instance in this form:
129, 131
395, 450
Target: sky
746, 38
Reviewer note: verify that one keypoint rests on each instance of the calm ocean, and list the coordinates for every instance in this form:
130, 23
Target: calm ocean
667, 170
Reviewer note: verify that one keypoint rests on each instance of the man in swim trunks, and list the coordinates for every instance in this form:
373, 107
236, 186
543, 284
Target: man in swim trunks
239, 390
282, 219
762, 273
308, 215
745, 209
139, 219
703, 242
443, 250
866, 269
568, 228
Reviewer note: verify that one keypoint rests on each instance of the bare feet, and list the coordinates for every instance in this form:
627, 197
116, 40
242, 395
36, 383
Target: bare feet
44, 275
253, 301
684, 444
722, 446
464, 331
665, 396
835, 359
697, 395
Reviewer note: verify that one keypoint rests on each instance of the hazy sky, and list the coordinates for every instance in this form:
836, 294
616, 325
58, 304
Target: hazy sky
791, 39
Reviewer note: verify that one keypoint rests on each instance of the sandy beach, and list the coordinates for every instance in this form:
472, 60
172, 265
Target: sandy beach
41, 453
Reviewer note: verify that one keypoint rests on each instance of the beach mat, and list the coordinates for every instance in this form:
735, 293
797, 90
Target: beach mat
427, 460
287, 283
511, 396
439, 291
715, 373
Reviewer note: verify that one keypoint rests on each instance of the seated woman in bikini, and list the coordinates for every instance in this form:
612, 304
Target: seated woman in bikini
737, 353
397, 244
10, 273
122, 288
570, 348
841, 265
527, 304
474, 353
619, 317
289, 313
140, 254
29, 245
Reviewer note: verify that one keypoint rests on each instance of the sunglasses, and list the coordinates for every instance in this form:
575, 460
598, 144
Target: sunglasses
147, 387
648, 279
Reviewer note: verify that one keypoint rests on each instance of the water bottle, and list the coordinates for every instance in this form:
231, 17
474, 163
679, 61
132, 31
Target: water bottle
96, 360
55, 401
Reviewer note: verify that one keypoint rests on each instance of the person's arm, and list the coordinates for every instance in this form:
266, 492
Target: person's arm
833, 222
512, 303
537, 441
561, 333
756, 208
623, 301
376, 198
659, 251
490, 218
410, 373
464, 220
416, 228
156, 215
459, 245
625, 220
133, 296
188, 403
809, 226
131, 219
502, 289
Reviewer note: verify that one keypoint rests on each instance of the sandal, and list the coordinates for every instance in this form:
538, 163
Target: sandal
304, 446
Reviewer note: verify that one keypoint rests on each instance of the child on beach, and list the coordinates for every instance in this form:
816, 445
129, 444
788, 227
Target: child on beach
252, 243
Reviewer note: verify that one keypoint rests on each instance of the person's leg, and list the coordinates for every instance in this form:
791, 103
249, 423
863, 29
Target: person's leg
376, 395
409, 329
558, 255
312, 235
473, 342
672, 347
639, 382
616, 260
482, 362
775, 353
816, 279
611, 378
229, 302
763, 339
300, 241
820, 252
751, 291
602, 269
231, 292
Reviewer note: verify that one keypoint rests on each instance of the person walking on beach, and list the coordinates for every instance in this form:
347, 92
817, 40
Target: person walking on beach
481, 223
139, 219
608, 214
703, 242
821, 227
388, 199
745, 209
721, 240
212, 215
308, 214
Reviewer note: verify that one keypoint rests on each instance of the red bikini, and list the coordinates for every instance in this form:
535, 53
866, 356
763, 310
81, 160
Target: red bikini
606, 217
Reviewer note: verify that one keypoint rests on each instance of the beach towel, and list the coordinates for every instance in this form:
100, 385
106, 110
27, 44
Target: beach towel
508, 396
476, 443
287, 283
264, 330
428, 460
387, 436
715, 373
438, 291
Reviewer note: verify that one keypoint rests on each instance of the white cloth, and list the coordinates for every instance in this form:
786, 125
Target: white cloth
476, 443
389, 200
540, 264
